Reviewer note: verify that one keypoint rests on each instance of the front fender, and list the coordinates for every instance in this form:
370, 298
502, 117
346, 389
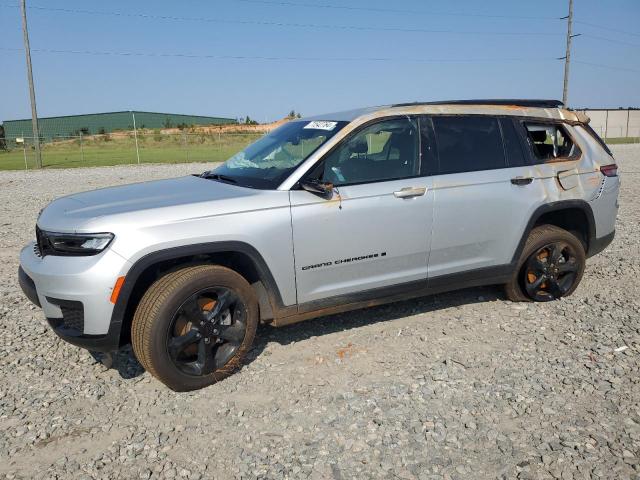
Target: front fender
122, 308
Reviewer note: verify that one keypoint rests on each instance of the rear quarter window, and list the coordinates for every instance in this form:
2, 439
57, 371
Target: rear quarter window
550, 142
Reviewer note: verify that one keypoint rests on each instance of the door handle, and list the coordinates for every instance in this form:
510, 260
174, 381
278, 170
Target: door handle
409, 192
521, 180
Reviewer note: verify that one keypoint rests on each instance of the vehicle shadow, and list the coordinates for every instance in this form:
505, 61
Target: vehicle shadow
124, 361
369, 316
128, 367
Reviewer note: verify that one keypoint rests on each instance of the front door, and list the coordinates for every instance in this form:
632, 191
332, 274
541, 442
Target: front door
375, 231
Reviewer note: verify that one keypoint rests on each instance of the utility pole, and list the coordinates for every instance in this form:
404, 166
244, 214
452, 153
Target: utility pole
186, 146
81, 149
567, 56
135, 134
32, 92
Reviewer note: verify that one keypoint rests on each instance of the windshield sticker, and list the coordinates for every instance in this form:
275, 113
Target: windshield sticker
321, 125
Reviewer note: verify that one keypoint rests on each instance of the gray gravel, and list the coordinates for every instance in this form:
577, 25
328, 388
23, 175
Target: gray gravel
462, 385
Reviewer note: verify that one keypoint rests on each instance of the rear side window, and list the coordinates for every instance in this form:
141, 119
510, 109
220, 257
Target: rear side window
468, 143
512, 144
429, 161
551, 142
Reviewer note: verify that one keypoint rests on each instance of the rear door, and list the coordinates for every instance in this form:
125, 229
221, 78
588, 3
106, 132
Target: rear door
375, 231
484, 194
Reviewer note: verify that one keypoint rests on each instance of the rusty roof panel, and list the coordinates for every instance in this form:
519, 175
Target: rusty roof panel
521, 102
551, 109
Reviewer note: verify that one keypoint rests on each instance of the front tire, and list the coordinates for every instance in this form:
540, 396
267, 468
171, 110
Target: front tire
194, 326
550, 267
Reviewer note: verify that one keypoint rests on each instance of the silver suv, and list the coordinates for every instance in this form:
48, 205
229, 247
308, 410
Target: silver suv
324, 215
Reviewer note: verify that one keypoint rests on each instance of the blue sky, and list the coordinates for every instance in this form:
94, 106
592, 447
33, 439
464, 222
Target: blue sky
315, 69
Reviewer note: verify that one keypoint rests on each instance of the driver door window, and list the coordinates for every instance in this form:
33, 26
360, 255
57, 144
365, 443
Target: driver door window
384, 151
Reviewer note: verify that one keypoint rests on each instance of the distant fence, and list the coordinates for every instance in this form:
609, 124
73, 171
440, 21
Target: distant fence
149, 146
614, 123
125, 148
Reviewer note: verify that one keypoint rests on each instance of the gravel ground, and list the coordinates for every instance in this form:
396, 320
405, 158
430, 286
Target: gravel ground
455, 386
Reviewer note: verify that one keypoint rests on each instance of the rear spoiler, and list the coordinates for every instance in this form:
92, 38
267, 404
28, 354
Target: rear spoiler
582, 117
574, 117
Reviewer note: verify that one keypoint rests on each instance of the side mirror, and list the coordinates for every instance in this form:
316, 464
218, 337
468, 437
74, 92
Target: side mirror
322, 189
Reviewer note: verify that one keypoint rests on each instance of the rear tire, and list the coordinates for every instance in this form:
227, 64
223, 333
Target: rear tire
194, 326
550, 267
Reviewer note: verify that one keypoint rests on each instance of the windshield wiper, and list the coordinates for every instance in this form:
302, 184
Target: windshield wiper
217, 176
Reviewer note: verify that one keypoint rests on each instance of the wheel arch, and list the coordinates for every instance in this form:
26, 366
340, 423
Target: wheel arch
239, 256
575, 216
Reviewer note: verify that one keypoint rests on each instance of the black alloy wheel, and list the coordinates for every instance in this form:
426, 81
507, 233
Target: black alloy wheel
194, 326
206, 331
550, 265
551, 272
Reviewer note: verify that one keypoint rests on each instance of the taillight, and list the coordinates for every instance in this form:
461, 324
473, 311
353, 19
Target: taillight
609, 170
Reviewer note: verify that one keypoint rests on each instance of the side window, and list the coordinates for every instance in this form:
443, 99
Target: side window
386, 150
512, 143
429, 161
468, 143
550, 142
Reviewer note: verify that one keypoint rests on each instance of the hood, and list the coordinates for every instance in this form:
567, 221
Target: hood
149, 203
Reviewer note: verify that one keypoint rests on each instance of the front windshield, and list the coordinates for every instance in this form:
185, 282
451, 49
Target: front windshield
267, 162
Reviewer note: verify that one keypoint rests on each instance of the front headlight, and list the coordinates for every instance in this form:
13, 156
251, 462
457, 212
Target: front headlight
51, 243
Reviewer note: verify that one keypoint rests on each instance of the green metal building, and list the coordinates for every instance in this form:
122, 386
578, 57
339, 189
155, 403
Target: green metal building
95, 123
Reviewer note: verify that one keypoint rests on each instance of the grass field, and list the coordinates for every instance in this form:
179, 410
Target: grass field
618, 141
118, 150
153, 148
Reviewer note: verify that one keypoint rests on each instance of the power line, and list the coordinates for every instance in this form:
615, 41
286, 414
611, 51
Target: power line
311, 59
325, 26
278, 58
605, 39
283, 24
388, 10
610, 67
423, 12
344, 27
595, 25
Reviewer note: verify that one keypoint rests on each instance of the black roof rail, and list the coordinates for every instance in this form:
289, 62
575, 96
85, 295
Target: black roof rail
498, 101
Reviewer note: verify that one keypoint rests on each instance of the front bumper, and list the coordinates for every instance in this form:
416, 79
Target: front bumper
28, 287
597, 245
74, 294
96, 343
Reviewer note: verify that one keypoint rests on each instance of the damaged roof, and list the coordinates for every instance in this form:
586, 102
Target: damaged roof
552, 109
522, 102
